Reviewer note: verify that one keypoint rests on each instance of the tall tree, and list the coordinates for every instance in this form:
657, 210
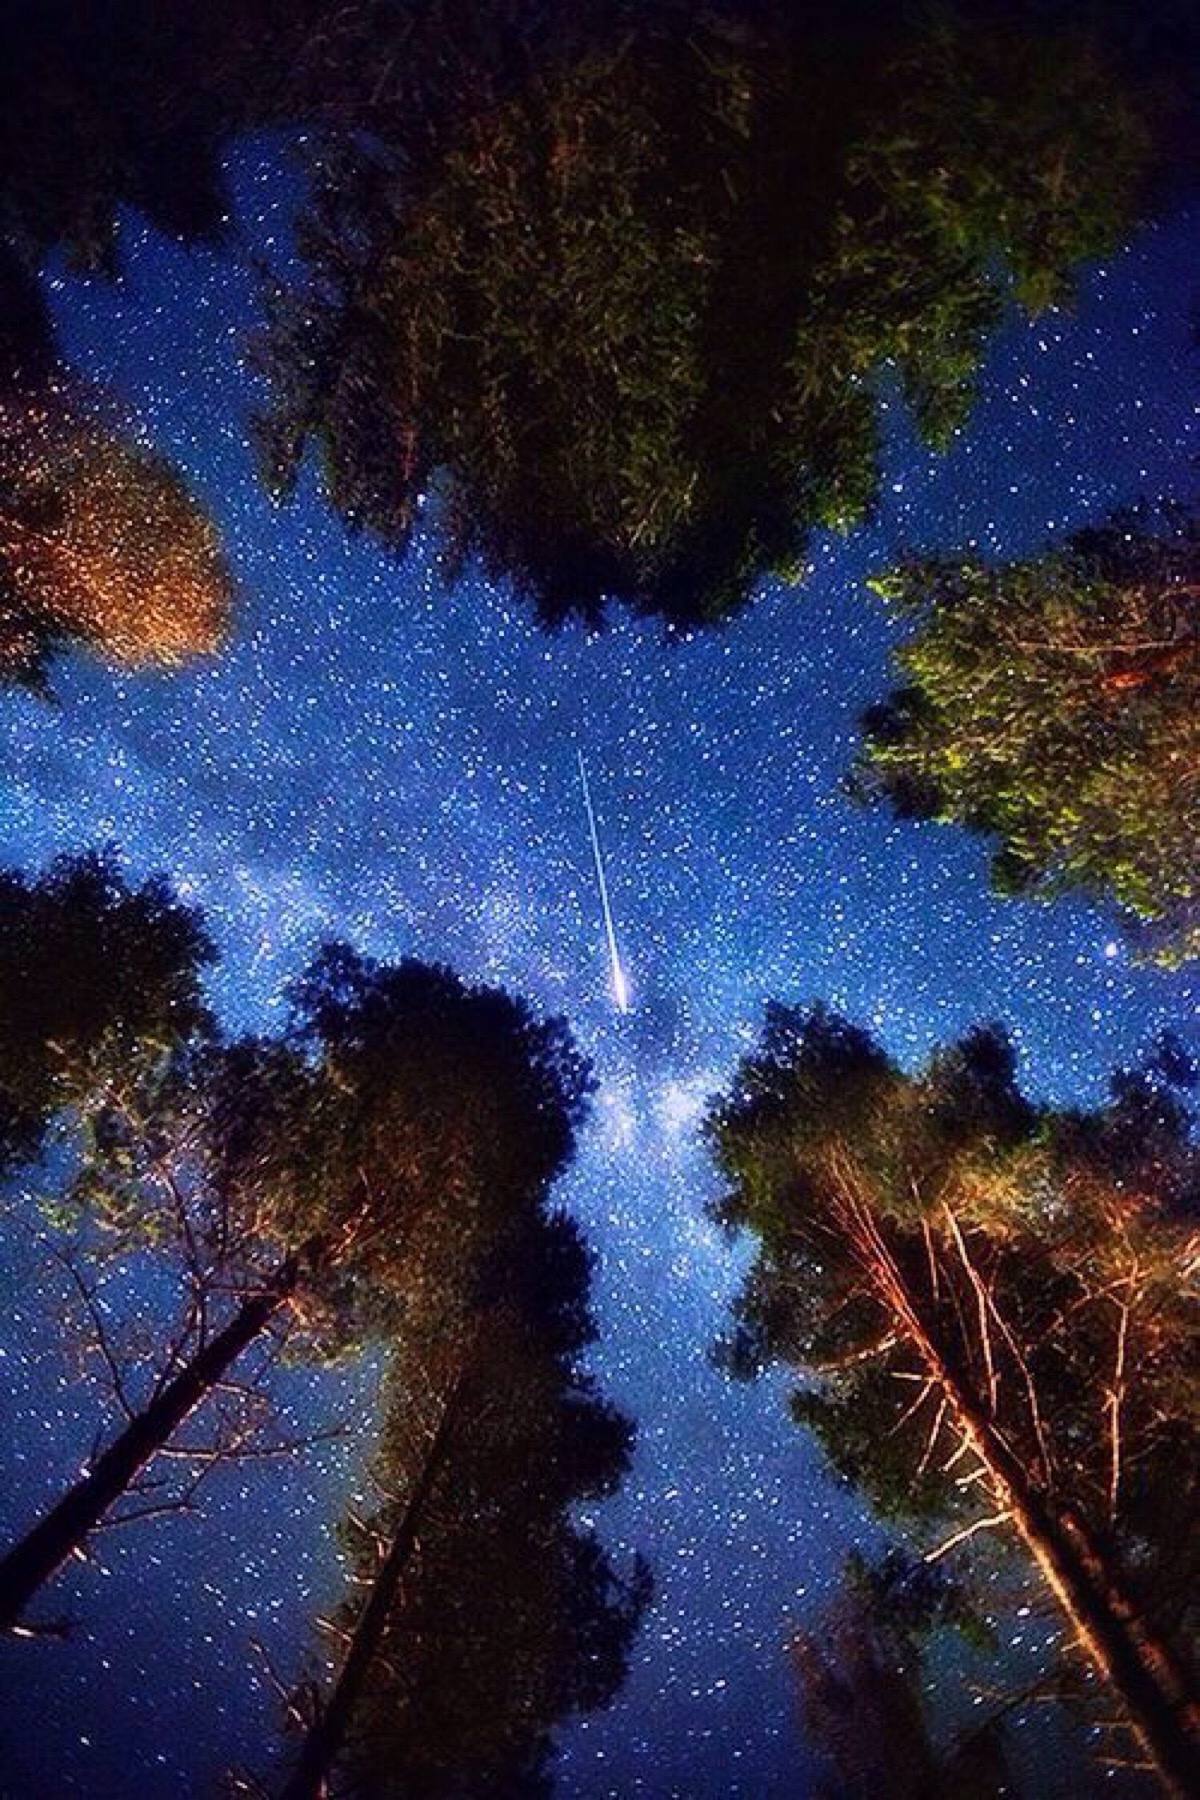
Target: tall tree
1054, 704
990, 1303
487, 1613
625, 310
101, 543
397, 1132
99, 983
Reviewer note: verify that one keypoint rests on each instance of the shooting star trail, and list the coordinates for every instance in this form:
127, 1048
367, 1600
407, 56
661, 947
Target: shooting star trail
620, 985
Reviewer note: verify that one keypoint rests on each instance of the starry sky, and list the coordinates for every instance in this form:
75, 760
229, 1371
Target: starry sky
381, 758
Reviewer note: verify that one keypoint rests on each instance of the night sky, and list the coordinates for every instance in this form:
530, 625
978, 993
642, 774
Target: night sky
382, 758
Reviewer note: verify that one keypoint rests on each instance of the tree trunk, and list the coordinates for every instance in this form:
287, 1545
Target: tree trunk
64, 1530
325, 1738
1163, 1714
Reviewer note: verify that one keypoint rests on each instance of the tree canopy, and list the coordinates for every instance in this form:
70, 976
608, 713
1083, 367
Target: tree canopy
369, 1172
989, 1302
101, 542
99, 981
628, 314
619, 291
1053, 704
405, 1123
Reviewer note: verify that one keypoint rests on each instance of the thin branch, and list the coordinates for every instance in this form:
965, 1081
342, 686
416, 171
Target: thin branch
287, 1696
1026, 1374
87, 1295
935, 1433
851, 1358
981, 1301
112, 1521
1116, 1399
968, 1531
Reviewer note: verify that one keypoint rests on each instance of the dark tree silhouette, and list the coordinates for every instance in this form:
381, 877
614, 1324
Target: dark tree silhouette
620, 285
106, 110
132, 107
1054, 704
360, 1164
488, 1614
625, 309
864, 1691
986, 1301
99, 985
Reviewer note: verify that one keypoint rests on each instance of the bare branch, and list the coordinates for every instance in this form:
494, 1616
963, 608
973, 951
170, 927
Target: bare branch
968, 1531
87, 1296
290, 1698
982, 1307
1116, 1398
934, 1434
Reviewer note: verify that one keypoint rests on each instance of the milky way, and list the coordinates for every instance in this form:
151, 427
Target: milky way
380, 758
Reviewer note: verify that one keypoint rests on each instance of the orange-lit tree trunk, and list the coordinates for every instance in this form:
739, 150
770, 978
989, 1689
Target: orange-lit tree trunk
1106, 1622
1163, 1712
63, 1531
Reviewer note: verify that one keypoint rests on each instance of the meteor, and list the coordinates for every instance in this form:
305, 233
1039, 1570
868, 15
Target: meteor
620, 985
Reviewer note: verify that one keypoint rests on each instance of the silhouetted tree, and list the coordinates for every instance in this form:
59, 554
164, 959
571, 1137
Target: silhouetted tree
986, 1300
350, 1171
131, 107
99, 985
488, 1613
864, 1698
619, 284
625, 312
1054, 704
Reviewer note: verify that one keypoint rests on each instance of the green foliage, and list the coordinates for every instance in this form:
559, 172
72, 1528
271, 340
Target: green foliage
944, 1264
626, 315
816, 1077
618, 286
1054, 704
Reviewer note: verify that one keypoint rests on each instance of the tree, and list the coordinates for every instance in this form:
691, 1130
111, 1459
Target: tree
119, 109
626, 311
863, 1692
132, 108
1054, 704
101, 544
487, 1612
99, 981
343, 1175
990, 1304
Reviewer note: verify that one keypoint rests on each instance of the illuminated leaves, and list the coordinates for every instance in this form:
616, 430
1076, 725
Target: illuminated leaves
1054, 704
101, 544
